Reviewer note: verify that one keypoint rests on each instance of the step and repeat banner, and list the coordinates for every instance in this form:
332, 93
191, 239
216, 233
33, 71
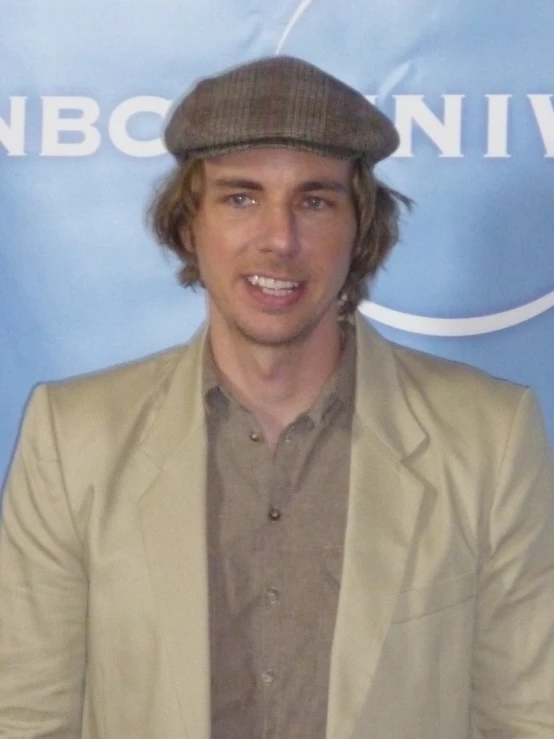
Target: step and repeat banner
84, 90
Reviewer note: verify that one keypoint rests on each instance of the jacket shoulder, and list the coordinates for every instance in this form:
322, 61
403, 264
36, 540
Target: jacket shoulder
114, 408
456, 392
439, 371
115, 386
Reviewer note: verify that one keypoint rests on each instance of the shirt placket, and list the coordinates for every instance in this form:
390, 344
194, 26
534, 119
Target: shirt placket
279, 496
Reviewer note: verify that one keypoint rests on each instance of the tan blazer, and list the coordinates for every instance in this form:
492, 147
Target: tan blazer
445, 625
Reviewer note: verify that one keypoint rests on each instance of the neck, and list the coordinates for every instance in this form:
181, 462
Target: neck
276, 383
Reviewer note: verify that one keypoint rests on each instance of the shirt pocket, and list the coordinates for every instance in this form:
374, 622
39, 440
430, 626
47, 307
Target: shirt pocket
419, 602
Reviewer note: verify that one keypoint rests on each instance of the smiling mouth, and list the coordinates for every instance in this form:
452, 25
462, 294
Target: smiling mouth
272, 286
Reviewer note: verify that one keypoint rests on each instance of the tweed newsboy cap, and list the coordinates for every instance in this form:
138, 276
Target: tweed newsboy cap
278, 101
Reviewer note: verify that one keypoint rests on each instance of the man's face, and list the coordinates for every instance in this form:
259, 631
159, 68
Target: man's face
274, 236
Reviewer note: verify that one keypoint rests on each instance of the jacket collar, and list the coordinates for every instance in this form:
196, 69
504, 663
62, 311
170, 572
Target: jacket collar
381, 401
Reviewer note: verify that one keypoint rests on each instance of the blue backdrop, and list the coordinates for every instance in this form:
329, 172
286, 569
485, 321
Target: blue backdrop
83, 92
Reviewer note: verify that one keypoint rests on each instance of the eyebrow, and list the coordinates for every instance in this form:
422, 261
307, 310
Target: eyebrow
237, 183
308, 186
325, 185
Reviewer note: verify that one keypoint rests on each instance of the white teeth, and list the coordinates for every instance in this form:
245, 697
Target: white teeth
268, 283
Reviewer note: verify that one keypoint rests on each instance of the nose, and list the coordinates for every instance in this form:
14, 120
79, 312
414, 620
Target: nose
281, 230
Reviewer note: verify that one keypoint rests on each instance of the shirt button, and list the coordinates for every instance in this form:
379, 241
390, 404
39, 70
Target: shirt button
274, 514
268, 677
272, 595
255, 436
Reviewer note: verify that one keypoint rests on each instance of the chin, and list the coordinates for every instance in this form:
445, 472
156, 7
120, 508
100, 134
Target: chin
275, 336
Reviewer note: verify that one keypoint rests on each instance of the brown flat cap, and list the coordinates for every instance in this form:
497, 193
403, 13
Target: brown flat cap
279, 101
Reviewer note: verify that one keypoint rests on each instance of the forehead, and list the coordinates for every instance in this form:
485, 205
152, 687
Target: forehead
274, 165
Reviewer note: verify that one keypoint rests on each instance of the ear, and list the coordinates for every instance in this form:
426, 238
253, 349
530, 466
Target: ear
186, 239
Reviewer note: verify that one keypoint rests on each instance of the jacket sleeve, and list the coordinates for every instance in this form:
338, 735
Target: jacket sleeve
513, 660
43, 591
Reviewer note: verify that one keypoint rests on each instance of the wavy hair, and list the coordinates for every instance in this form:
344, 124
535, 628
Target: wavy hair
377, 209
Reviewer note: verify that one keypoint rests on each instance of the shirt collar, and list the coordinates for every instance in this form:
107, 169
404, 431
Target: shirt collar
214, 395
337, 393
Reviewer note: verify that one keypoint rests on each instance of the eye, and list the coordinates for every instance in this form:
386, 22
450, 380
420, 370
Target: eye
315, 203
239, 200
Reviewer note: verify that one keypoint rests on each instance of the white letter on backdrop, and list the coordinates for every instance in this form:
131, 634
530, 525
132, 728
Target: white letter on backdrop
544, 114
445, 133
53, 124
12, 134
118, 125
497, 133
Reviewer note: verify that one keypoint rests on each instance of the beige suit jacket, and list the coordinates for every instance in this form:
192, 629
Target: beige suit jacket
445, 625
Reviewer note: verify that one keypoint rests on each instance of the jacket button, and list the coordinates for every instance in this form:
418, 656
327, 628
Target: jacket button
274, 514
268, 676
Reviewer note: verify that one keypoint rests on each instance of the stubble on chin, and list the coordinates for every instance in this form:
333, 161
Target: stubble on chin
294, 337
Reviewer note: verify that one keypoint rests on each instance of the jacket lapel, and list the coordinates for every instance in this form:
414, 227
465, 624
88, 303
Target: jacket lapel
173, 519
385, 504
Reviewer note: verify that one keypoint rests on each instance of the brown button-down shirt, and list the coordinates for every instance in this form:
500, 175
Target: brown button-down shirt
276, 524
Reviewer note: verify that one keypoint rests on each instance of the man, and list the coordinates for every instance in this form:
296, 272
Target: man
289, 528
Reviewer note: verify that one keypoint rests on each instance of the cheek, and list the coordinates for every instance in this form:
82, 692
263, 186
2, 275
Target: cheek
338, 246
222, 240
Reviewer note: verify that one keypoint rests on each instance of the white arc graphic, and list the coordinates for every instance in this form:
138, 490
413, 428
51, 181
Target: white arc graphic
304, 4
427, 325
430, 326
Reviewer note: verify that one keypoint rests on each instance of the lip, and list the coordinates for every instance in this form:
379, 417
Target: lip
274, 303
270, 276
